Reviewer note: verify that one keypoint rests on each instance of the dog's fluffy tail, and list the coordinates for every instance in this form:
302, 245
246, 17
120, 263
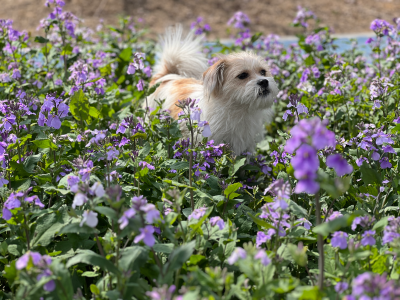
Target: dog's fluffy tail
180, 55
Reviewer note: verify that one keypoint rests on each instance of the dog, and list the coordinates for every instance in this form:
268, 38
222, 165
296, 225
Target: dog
235, 94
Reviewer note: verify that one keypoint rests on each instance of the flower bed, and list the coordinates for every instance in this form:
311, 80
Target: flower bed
103, 199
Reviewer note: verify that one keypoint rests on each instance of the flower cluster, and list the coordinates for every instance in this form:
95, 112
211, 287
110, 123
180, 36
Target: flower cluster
19, 199
51, 112
302, 16
374, 286
377, 143
40, 265
146, 212
309, 136
199, 28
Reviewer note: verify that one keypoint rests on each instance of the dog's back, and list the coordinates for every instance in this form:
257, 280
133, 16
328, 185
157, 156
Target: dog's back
180, 55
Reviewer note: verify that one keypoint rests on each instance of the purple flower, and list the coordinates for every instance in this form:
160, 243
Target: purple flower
262, 255
217, 221
368, 286
239, 20
131, 69
341, 286
140, 85
381, 27
305, 160
8, 121
236, 254
147, 71
390, 236
79, 200
7, 215
36, 257
339, 239
112, 154
195, 114
34, 199
362, 221
206, 130
385, 164
89, 218
313, 129
124, 220
50, 285
98, 189
375, 156
152, 214
262, 237
197, 213
307, 184
306, 224
146, 234
368, 238
334, 215
144, 164
388, 149
339, 164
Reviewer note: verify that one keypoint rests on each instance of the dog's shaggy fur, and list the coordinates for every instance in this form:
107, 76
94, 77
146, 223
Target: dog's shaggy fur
236, 93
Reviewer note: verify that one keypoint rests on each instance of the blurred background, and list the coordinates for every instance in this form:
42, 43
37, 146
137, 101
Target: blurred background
267, 16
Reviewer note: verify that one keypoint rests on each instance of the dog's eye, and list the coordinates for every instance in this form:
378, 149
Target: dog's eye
263, 73
244, 75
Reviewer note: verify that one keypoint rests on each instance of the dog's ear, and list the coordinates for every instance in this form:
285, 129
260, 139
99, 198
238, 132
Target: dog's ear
213, 78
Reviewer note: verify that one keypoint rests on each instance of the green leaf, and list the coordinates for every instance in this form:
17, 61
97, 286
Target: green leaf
106, 70
260, 222
163, 248
67, 50
256, 36
21, 184
90, 274
178, 257
232, 188
236, 166
79, 106
126, 54
94, 289
65, 290
196, 258
284, 285
152, 89
133, 257
94, 113
75, 228
41, 40
328, 227
180, 165
109, 212
91, 258
369, 175
139, 135
309, 61
44, 144
30, 162
380, 225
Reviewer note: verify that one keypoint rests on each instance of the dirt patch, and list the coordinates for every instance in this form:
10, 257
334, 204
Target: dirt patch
267, 16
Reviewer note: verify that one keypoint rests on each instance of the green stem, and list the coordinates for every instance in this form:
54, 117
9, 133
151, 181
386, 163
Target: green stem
26, 226
320, 245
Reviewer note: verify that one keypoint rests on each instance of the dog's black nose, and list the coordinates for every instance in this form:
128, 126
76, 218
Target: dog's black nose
263, 82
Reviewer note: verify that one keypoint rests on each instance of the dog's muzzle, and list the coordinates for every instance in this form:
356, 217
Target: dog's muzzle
264, 90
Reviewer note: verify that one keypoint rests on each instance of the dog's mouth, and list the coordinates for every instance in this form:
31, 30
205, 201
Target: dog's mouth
263, 92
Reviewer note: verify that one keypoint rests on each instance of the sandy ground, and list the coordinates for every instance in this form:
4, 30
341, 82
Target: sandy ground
267, 16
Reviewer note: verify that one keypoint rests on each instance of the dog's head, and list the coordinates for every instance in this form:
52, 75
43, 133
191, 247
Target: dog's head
241, 79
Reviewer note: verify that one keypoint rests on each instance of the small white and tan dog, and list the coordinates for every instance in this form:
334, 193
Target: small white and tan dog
235, 94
